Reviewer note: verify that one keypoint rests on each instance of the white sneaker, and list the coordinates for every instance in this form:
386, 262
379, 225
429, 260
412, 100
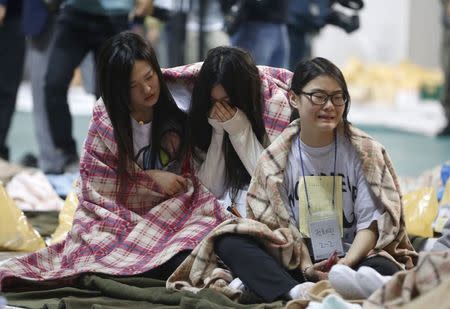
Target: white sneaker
344, 280
370, 280
300, 291
237, 284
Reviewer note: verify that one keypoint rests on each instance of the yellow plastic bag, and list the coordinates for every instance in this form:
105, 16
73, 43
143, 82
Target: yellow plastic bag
443, 211
65, 218
16, 234
421, 207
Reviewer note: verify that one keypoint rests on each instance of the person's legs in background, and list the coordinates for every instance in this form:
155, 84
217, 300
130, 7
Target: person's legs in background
87, 70
12, 54
212, 39
65, 54
445, 61
216, 38
191, 47
77, 33
267, 42
280, 56
445, 101
50, 160
299, 46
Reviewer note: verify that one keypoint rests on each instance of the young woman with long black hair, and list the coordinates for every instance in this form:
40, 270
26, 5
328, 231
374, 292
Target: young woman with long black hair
225, 123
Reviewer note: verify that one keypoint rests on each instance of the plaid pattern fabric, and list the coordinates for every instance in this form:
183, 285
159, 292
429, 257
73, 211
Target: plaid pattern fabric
268, 220
275, 84
113, 238
426, 285
266, 204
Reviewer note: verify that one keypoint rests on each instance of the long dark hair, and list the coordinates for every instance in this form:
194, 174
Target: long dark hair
235, 70
307, 70
114, 66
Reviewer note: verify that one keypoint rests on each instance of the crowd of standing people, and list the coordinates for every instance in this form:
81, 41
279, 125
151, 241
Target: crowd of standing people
54, 37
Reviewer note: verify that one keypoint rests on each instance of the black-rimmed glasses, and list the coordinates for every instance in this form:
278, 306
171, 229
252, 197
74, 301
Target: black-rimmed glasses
321, 98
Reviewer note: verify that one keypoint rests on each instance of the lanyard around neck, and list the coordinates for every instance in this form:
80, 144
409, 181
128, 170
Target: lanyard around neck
303, 170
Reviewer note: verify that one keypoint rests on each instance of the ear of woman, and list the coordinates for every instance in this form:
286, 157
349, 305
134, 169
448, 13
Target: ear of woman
293, 99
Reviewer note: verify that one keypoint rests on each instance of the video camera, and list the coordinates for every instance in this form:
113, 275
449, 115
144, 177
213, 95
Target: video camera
311, 15
349, 23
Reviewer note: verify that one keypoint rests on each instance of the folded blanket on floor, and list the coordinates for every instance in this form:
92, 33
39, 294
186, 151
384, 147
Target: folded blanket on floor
31, 190
137, 292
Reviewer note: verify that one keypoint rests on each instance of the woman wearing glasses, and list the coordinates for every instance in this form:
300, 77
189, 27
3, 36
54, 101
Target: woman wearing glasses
328, 188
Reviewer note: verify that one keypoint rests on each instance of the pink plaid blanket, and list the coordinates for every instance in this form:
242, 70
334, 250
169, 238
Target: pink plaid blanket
112, 238
116, 239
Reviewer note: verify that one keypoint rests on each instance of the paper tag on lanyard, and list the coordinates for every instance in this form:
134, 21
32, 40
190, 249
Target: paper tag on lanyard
321, 221
325, 236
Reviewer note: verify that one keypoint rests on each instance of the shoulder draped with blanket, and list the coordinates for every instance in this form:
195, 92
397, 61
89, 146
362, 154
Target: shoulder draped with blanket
269, 221
118, 238
125, 239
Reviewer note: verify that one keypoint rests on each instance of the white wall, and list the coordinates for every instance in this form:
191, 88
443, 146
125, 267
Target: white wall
390, 31
426, 31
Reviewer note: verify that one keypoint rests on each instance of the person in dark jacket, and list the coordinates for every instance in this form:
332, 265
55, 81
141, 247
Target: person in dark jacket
12, 54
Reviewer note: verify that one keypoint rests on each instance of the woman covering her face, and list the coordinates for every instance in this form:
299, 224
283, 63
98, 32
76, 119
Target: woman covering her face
225, 123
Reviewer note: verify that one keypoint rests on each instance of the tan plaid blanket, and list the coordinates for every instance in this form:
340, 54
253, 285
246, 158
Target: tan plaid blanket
425, 286
268, 220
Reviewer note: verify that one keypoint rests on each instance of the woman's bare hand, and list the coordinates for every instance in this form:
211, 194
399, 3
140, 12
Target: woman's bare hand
170, 143
222, 111
170, 183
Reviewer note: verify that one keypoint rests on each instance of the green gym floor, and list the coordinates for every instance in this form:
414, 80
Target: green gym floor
411, 153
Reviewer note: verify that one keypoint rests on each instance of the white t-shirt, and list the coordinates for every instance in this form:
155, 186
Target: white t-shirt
359, 208
142, 147
141, 139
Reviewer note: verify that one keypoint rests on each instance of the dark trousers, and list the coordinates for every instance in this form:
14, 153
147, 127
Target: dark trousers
300, 47
382, 265
164, 271
12, 54
260, 272
445, 60
263, 275
76, 34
